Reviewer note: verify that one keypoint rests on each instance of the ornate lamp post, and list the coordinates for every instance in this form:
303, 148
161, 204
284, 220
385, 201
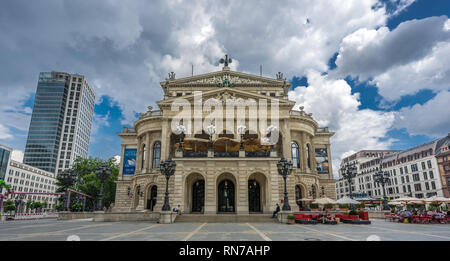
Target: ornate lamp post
180, 130
284, 169
348, 172
167, 169
210, 130
241, 130
382, 177
102, 172
68, 178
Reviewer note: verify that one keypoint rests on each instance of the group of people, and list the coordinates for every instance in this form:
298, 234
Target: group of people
410, 214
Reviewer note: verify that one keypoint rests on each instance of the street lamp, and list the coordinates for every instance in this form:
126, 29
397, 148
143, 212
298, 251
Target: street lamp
348, 172
284, 169
382, 177
180, 130
167, 169
102, 172
211, 129
241, 130
68, 179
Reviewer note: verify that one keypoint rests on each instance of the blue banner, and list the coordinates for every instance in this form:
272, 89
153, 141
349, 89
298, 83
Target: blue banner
129, 161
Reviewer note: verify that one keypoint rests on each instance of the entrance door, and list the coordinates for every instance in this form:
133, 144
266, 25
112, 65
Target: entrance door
226, 196
298, 196
254, 196
198, 196
151, 201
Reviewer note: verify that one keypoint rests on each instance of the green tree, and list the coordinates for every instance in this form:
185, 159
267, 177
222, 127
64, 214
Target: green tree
88, 182
9, 206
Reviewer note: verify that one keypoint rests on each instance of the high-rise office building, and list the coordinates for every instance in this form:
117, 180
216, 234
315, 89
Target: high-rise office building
61, 122
5, 154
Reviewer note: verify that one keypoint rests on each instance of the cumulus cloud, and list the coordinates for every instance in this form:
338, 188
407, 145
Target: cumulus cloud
4, 133
432, 72
17, 155
370, 52
333, 105
431, 118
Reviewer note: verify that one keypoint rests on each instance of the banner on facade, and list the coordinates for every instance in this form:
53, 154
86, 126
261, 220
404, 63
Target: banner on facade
129, 161
322, 160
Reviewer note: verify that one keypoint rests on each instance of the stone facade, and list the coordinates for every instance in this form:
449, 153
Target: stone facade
206, 170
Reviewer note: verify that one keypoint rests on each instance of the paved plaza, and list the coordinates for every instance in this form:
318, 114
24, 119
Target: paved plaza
87, 230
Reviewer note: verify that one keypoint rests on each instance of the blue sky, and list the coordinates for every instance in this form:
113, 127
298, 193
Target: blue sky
370, 64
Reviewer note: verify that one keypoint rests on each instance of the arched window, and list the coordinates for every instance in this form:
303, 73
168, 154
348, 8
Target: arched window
156, 154
295, 155
144, 154
308, 155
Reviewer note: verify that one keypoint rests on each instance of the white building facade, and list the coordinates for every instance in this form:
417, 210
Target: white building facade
413, 172
28, 179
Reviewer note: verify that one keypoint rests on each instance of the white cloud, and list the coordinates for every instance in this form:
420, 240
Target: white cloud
117, 159
431, 118
370, 52
432, 72
17, 155
333, 105
5, 133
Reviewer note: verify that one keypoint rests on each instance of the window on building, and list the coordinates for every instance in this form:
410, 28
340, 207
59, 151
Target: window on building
433, 185
425, 176
295, 155
431, 174
416, 177
423, 165
156, 154
429, 164
417, 187
143, 155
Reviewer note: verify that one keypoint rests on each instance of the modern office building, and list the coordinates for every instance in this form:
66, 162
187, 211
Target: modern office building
61, 122
5, 154
28, 179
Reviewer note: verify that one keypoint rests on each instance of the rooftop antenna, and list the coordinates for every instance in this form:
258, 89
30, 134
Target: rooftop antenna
260, 70
192, 69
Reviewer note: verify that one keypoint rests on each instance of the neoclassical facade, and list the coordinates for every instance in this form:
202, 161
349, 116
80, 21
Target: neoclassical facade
231, 170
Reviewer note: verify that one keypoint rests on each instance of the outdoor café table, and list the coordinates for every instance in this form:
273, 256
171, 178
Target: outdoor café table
314, 216
415, 219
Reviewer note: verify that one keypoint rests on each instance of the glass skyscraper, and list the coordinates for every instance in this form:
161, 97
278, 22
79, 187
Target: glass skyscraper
61, 122
5, 154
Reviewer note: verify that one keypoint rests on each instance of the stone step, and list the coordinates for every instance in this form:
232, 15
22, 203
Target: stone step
224, 218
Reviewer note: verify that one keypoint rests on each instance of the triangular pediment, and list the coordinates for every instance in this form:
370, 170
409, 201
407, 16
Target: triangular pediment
224, 77
224, 94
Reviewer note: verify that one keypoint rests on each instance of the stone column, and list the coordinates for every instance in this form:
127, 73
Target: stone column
330, 170
147, 153
139, 156
304, 162
122, 154
210, 189
286, 140
312, 155
165, 139
242, 189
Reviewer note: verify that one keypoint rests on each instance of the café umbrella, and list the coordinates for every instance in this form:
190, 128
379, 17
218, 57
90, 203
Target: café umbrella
408, 200
324, 201
347, 200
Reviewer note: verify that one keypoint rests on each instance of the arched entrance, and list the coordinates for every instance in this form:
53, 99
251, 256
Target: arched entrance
151, 197
258, 194
226, 193
254, 196
194, 195
298, 196
198, 196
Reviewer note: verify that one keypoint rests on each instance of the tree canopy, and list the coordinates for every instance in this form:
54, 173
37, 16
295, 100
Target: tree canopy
84, 179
